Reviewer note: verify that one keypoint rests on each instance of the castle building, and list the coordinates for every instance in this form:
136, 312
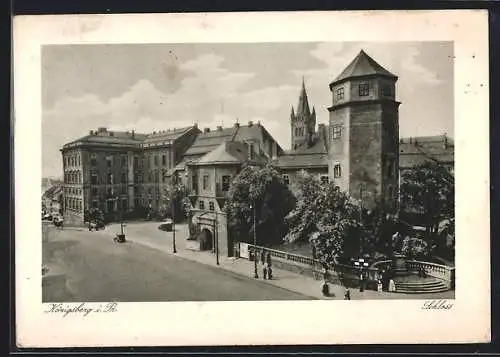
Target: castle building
358, 150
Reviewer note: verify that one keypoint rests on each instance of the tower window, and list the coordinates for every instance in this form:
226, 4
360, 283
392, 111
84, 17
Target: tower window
286, 179
336, 132
211, 206
93, 178
93, 160
337, 171
202, 204
340, 93
164, 159
364, 89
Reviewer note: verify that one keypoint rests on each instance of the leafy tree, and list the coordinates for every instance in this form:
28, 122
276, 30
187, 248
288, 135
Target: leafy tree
264, 188
303, 218
428, 190
177, 194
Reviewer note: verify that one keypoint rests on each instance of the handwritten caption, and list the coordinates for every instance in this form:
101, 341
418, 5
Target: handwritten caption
82, 309
437, 305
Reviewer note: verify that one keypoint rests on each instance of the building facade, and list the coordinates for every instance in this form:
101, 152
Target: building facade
118, 172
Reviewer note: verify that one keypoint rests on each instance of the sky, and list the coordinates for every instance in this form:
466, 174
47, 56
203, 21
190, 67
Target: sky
152, 87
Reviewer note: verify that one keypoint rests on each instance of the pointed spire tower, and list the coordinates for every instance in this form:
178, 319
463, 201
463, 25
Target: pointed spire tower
303, 122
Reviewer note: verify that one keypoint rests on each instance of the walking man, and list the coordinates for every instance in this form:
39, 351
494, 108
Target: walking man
269, 266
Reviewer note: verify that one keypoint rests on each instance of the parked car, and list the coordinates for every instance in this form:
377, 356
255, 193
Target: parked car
47, 217
166, 225
58, 220
96, 225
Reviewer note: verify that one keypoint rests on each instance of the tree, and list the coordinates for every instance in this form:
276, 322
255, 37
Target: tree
302, 220
177, 194
264, 188
428, 190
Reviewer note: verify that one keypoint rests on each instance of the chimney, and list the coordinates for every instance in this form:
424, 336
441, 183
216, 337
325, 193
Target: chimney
195, 125
91, 132
133, 134
236, 125
258, 123
445, 142
250, 123
219, 128
206, 130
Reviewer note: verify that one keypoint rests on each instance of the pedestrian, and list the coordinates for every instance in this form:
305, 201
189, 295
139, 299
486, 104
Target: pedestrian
269, 264
392, 286
347, 294
325, 288
379, 285
265, 271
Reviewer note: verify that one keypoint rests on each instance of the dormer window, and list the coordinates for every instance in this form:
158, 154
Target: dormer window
364, 89
340, 93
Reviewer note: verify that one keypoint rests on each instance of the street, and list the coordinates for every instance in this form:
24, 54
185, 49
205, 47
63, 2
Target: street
98, 269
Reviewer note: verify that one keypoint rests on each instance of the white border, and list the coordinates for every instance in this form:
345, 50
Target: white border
216, 323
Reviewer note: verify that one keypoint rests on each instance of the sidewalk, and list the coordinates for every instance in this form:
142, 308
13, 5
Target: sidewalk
282, 278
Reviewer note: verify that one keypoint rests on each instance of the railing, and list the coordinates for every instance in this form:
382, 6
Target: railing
442, 272
438, 271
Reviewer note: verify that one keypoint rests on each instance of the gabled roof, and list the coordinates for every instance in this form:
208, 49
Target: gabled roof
167, 134
207, 141
363, 65
418, 150
312, 155
230, 152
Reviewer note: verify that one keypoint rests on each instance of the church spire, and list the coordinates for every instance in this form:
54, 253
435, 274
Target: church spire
303, 107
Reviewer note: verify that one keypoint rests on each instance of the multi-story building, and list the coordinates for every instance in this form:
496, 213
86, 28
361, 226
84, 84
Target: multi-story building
210, 178
119, 171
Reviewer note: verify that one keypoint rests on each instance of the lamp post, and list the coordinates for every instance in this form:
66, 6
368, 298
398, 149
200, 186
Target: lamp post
217, 237
256, 275
173, 220
361, 264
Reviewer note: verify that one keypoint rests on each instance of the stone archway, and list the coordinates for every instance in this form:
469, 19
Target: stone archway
206, 239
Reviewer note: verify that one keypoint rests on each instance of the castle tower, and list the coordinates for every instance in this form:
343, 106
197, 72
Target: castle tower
364, 132
303, 121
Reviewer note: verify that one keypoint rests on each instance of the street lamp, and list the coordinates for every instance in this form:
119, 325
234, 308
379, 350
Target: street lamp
217, 237
256, 275
173, 218
361, 264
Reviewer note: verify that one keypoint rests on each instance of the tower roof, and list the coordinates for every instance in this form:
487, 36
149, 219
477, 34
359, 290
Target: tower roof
363, 65
303, 107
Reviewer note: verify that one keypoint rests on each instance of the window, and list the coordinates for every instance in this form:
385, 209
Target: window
156, 160
340, 93
202, 204
205, 182
124, 161
124, 204
111, 206
324, 179
95, 191
164, 159
226, 182
93, 159
286, 179
336, 132
109, 180
250, 151
337, 172
124, 178
136, 161
94, 204
194, 183
93, 178
211, 206
109, 161
79, 160
364, 89
386, 90
110, 192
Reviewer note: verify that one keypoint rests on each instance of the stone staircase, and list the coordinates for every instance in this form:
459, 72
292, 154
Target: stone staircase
421, 287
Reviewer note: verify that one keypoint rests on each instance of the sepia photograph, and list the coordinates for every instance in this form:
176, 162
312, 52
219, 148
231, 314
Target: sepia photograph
268, 171
325, 171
